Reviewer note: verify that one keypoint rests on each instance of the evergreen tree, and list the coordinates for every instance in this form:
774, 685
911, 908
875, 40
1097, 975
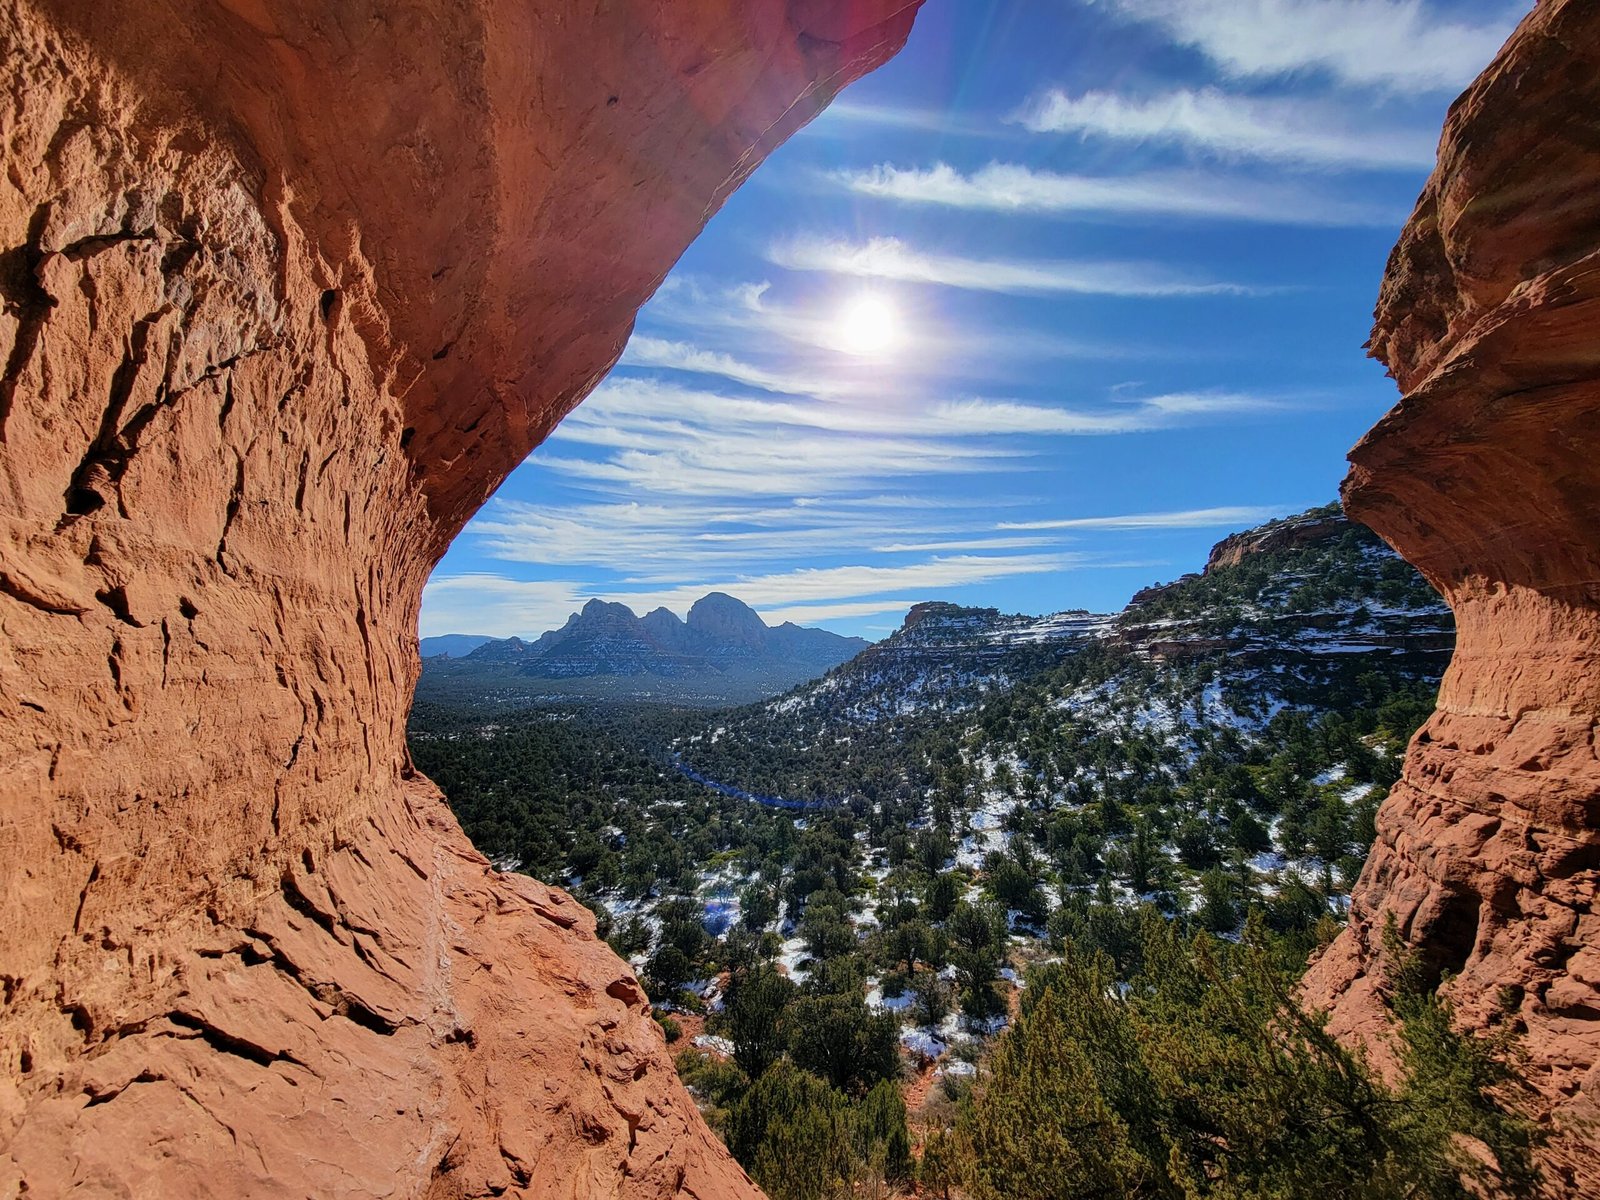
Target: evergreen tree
882, 1139
977, 949
941, 1164
792, 1132
930, 999
1207, 1080
1041, 1129
752, 1017
839, 1039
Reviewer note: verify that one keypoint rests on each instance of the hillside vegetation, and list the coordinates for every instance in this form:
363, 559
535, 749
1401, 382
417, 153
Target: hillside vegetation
1120, 836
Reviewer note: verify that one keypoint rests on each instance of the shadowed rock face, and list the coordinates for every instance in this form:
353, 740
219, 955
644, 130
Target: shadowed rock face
288, 288
1487, 476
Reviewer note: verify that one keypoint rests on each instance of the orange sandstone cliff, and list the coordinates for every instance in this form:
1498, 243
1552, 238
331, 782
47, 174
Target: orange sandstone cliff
1487, 477
288, 288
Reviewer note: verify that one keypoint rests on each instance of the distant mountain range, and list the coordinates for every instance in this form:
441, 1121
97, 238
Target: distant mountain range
723, 653
456, 645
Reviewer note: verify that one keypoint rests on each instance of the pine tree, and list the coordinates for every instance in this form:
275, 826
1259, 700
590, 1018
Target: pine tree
941, 1165
881, 1134
1041, 1129
792, 1131
753, 1008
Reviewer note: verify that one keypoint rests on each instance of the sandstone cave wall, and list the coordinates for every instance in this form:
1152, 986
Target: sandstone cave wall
1487, 477
288, 288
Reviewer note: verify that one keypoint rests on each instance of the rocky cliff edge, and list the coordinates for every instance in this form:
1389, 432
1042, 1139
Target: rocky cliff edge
288, 288
1487, 477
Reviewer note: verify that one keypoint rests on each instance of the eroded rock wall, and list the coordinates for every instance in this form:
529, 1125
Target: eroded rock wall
288, 287
1487, 476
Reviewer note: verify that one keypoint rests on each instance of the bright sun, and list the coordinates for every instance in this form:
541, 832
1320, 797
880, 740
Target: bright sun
870, 326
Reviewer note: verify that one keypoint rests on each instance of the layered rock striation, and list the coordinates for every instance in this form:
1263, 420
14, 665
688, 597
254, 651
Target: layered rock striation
288, 288
1487, 476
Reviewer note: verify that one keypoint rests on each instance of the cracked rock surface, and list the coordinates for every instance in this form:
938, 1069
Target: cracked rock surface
286, 289
1487, 476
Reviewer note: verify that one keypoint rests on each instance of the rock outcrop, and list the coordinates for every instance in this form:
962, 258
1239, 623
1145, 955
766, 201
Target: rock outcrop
724, 654
1487, 476
1303, 530
288, 288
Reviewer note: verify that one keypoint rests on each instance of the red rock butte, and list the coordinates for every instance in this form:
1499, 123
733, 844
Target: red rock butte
290, 287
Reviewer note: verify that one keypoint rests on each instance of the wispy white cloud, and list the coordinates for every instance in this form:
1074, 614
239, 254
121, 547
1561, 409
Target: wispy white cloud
1129, 416
1400, 45
1279, 129
891, 258
981, 543
859, 581
1193, 518
1009, 187
643, 351
691, 534
746, 314
771, 468
849, 112
667, 440
805, 614
661, 439
749, 308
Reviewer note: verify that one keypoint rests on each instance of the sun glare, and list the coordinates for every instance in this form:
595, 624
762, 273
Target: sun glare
870, 326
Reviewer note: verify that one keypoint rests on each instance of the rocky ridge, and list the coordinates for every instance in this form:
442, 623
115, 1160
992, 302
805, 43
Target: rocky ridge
944, 657
1301, 530
287, 291
1305, 603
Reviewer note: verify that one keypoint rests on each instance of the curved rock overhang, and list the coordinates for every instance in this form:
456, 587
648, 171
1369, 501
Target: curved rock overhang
289, 287
1487, 477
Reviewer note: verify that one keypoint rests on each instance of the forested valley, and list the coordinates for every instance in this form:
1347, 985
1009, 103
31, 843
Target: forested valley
1014, 907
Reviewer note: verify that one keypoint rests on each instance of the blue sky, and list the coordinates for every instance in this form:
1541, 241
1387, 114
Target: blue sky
1030, 318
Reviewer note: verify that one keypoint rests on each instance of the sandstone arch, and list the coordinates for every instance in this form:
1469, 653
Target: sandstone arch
289, 287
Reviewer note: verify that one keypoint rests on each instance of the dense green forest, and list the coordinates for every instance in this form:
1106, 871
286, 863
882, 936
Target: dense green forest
1122, 845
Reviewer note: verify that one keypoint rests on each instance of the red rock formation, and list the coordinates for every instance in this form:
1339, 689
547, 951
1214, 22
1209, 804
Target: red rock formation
288, 288
1487, 476
1303, 530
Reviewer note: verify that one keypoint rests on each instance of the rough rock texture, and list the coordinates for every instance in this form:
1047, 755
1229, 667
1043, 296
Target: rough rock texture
288, 287
1487, 476
1304, 530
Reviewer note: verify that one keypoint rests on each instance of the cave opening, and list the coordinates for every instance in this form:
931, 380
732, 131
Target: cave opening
316, 287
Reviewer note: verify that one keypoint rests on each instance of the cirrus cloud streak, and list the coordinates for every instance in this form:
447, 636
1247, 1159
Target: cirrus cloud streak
1011, 187
1399, 45
890, 258
1277, 129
